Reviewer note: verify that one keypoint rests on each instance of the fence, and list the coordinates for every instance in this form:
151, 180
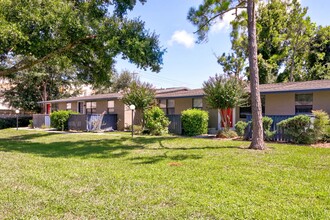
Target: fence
40, 120
175, 126
279, 135
81, 122
93, 122
78, 122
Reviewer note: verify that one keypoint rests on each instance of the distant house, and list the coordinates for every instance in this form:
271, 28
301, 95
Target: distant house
293, 98
277, 99
97, 104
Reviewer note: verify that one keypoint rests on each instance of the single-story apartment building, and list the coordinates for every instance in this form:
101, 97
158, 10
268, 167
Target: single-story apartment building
281, 99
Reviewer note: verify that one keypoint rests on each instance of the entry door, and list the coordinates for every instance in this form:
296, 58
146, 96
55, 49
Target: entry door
48, 108
81, 107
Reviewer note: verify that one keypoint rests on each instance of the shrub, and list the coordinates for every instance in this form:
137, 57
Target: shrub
321, 125
240, 127
59, 119
299, 129
226, 133
266, 124
194, 122
327, 134
10, 122
155, 121
30, 123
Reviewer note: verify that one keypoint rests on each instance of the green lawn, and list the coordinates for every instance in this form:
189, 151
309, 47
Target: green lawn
110, 176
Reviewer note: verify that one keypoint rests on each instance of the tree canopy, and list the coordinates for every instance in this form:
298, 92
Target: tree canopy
289, 44
89, 34
225, 93
41, 83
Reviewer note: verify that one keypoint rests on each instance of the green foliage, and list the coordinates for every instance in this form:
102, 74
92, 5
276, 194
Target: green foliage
30, 123
327, 133
142, 95
240, 127
155, 121
10, 122
319, 55
194, 122
299, 129
226, 133
224, 92
90, 34
59, 119
321, 124
43, 82
266, 124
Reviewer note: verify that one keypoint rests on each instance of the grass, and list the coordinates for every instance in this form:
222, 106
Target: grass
111, 176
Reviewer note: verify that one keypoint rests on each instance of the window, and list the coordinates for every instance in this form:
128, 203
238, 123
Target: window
111, 106
68, 106
167, 105
304, 103
247, 110
198, 103
80, 107
90, 107
54, 107
170, 106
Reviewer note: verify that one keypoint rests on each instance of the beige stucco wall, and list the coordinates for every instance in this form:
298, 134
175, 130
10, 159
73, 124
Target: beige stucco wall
280, 104
121, 116
101, 106
182, 104
74, 106
62, 106
321, 101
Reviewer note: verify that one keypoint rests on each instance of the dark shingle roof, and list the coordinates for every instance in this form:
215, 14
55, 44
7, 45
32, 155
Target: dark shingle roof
307, 86
182, 92
109, 96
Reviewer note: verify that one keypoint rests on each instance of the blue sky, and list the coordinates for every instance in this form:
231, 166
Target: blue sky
186, 63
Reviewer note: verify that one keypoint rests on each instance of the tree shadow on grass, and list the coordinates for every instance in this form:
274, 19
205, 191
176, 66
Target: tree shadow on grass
113, 148
100, 148
164, 156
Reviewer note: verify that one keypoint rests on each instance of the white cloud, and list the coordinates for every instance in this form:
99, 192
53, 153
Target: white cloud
224, 23
184, 38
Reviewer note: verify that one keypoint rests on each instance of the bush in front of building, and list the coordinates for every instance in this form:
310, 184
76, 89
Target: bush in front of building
156, 123
59, 119
299, 129
266, 124
321, 125
194, 122
240, 127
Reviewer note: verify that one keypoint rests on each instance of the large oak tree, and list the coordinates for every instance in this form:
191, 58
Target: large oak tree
90, 34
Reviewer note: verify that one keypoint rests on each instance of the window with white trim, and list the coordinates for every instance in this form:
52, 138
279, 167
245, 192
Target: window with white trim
90, 107
68, 106
167, 105
198, 103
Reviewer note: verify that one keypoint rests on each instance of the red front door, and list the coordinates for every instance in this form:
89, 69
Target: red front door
48, 108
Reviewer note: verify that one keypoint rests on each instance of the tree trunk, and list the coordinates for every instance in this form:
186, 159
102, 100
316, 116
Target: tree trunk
257, 132
292, 64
